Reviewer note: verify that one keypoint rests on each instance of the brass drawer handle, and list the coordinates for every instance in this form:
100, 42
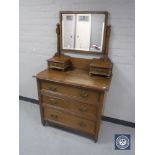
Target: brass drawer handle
54, 116
83, 109
54, 64
83, 93
52, 88
53, 102
99, 70
82, 124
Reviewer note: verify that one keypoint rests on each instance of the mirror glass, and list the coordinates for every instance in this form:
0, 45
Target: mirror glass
83, 32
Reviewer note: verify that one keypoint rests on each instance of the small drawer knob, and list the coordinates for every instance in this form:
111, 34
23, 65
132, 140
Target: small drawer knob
83, 93
53, 102
82, 124
100, 70
52, 88
83, 109
54, 116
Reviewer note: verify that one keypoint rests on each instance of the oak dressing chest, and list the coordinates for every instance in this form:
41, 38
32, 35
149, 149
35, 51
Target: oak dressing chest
69, 97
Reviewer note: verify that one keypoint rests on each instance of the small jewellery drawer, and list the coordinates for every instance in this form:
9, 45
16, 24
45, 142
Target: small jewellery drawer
61, 63
77, 108
55, 65
88, 96
69, 120
103, 71
101, 67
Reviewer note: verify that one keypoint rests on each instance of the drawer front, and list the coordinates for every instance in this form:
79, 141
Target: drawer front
69, 120
102, 71
56, 64
81, 94
80, 109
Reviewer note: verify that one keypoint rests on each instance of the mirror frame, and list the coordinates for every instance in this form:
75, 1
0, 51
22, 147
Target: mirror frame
82, 51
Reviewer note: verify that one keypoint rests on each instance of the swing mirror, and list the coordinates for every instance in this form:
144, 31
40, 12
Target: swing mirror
83, 32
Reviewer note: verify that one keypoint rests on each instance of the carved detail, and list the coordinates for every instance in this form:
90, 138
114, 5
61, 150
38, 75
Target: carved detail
108, 30
58, 39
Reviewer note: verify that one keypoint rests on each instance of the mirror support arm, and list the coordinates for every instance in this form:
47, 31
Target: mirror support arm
58, 39
108, 30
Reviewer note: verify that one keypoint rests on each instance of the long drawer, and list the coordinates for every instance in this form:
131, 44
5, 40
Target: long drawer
76, 108
88, 96
68, 120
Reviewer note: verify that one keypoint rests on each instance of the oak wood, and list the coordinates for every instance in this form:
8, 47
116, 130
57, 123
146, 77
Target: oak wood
70, 129
82, 52
40, 103
59, 59
59, 62
88, 96
101, 63
58, 38
76, 108
84, 12
73, 99
65, 88
107, 38
68, 120
101, 66
66, 97
99, 116
80, 63
76, 78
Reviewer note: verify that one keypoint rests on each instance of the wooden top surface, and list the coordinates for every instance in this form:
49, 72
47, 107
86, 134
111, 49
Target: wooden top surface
76, 77
60, 59
101, 63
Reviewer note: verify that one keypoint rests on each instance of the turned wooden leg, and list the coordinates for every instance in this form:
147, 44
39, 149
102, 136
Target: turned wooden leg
43, 122
96, 138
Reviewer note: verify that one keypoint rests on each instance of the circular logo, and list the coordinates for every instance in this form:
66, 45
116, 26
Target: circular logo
122, 142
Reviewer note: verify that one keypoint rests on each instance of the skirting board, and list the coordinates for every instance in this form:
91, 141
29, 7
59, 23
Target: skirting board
104, 118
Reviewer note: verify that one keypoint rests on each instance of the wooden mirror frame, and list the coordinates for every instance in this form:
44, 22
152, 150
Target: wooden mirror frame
104, 43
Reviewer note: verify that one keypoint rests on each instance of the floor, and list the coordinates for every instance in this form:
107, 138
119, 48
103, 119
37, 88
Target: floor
38, 140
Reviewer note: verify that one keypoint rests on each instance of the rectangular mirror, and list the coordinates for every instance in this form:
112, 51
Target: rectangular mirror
83, 31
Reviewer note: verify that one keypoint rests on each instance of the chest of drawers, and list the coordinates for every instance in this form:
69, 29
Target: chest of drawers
72, 96
72, 100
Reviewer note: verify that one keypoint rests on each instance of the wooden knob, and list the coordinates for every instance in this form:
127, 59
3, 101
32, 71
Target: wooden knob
83, 109
82, 124
53, 102
52, 88
83, 93
54, 116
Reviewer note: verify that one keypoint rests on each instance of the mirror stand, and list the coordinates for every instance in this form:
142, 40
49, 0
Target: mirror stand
59, 61
106, 50
102, 66
58, 39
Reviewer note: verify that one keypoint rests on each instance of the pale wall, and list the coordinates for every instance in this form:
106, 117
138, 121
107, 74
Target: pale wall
38, 20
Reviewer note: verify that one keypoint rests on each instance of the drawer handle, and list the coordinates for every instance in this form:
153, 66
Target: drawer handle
53, 64
82, 124
52, 88
53, 102
83, 109
54, 116
83, 93
99, 71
